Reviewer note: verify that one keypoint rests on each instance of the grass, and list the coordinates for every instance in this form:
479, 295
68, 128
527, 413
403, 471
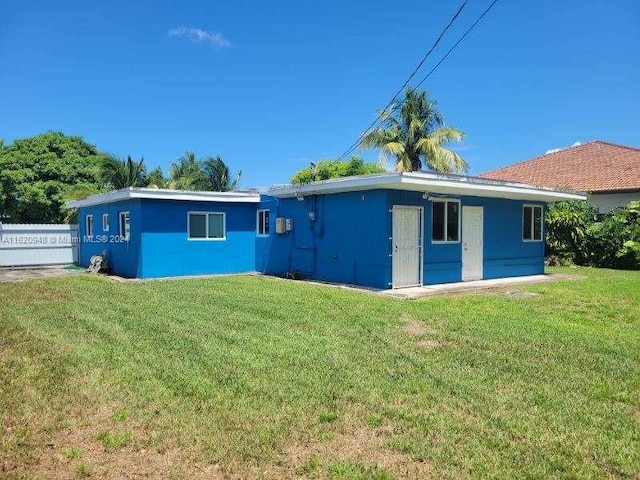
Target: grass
114, 441
260, 377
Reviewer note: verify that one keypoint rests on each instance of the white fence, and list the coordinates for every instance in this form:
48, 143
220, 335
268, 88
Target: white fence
27, 244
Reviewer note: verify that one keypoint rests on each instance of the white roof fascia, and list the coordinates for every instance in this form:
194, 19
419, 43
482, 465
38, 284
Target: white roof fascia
164, 194
455, 185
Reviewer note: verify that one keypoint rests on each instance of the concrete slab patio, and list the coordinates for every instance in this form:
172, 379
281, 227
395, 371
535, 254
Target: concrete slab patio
449, 288
25, 273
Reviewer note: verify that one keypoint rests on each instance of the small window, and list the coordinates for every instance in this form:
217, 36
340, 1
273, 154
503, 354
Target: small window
105, 222
263, 222
445, 221
532, 223
206, 226
89, 225
124, 225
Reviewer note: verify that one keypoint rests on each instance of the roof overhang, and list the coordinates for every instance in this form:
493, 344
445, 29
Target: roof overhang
430, 183
164, 194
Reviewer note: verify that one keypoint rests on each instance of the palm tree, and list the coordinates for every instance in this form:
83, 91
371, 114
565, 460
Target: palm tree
156, 179
414, 132
209, 174
123, 173
218, 175
186, 172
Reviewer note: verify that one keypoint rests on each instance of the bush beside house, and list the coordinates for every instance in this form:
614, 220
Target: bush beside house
576, 234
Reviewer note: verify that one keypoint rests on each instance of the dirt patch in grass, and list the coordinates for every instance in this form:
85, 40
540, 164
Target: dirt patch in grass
364, 446
513, 293
84, 447
415, 327
428, 344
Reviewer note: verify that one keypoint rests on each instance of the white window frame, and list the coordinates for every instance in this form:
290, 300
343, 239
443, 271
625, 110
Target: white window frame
88, 225
260, 223
446, 220
105, 222
206, 226
533, 222
123, 231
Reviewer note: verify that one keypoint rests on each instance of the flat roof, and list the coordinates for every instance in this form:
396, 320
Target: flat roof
430, 183
164, 194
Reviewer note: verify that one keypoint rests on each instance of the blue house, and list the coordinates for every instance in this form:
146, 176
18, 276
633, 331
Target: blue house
152, 233
388, 230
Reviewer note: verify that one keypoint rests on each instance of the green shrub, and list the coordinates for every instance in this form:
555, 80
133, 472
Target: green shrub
613, 243
574, 236
566, 230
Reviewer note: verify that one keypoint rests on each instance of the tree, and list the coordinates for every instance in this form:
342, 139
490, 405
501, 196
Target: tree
574, 235
566, 225
37, 174
78, 192
156, 179
123, 173
209, 174
186, 172
615, 241
217, 176
326, 169
414, 132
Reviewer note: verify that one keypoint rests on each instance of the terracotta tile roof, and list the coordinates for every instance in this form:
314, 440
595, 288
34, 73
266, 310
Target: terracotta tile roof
595, 166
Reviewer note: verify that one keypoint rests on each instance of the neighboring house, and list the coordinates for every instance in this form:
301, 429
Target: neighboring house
388, 230
610, 173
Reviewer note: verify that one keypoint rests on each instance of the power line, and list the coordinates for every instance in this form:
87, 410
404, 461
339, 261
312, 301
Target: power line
415, 71
457, 43
484, 13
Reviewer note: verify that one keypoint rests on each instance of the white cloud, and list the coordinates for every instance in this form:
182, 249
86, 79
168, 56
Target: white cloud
201, 36
554, 150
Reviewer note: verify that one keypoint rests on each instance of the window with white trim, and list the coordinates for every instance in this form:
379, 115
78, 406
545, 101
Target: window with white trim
263, 222
445, 221
124, 225
88, 223
105, 222
532, 223
206, 226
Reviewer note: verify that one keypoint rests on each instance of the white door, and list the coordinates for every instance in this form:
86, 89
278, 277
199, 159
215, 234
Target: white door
407, 246
472, 234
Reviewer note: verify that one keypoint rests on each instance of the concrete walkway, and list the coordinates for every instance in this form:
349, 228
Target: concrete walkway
24, 273
449, 288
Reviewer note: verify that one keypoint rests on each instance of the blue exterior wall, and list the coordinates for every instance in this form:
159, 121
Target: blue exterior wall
348, 242
123, 257
505, 253
159, 246
167, 251
350, 239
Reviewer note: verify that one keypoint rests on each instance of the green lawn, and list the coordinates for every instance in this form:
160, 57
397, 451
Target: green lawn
261, 377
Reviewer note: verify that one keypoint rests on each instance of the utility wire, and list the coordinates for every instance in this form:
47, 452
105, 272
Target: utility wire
413, 74
355, 144
457, 43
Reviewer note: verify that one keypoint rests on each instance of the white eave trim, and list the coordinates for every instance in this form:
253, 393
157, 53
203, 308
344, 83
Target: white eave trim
439, 184
164, 194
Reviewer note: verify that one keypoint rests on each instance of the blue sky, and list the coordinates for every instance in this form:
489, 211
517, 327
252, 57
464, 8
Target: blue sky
271, 86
